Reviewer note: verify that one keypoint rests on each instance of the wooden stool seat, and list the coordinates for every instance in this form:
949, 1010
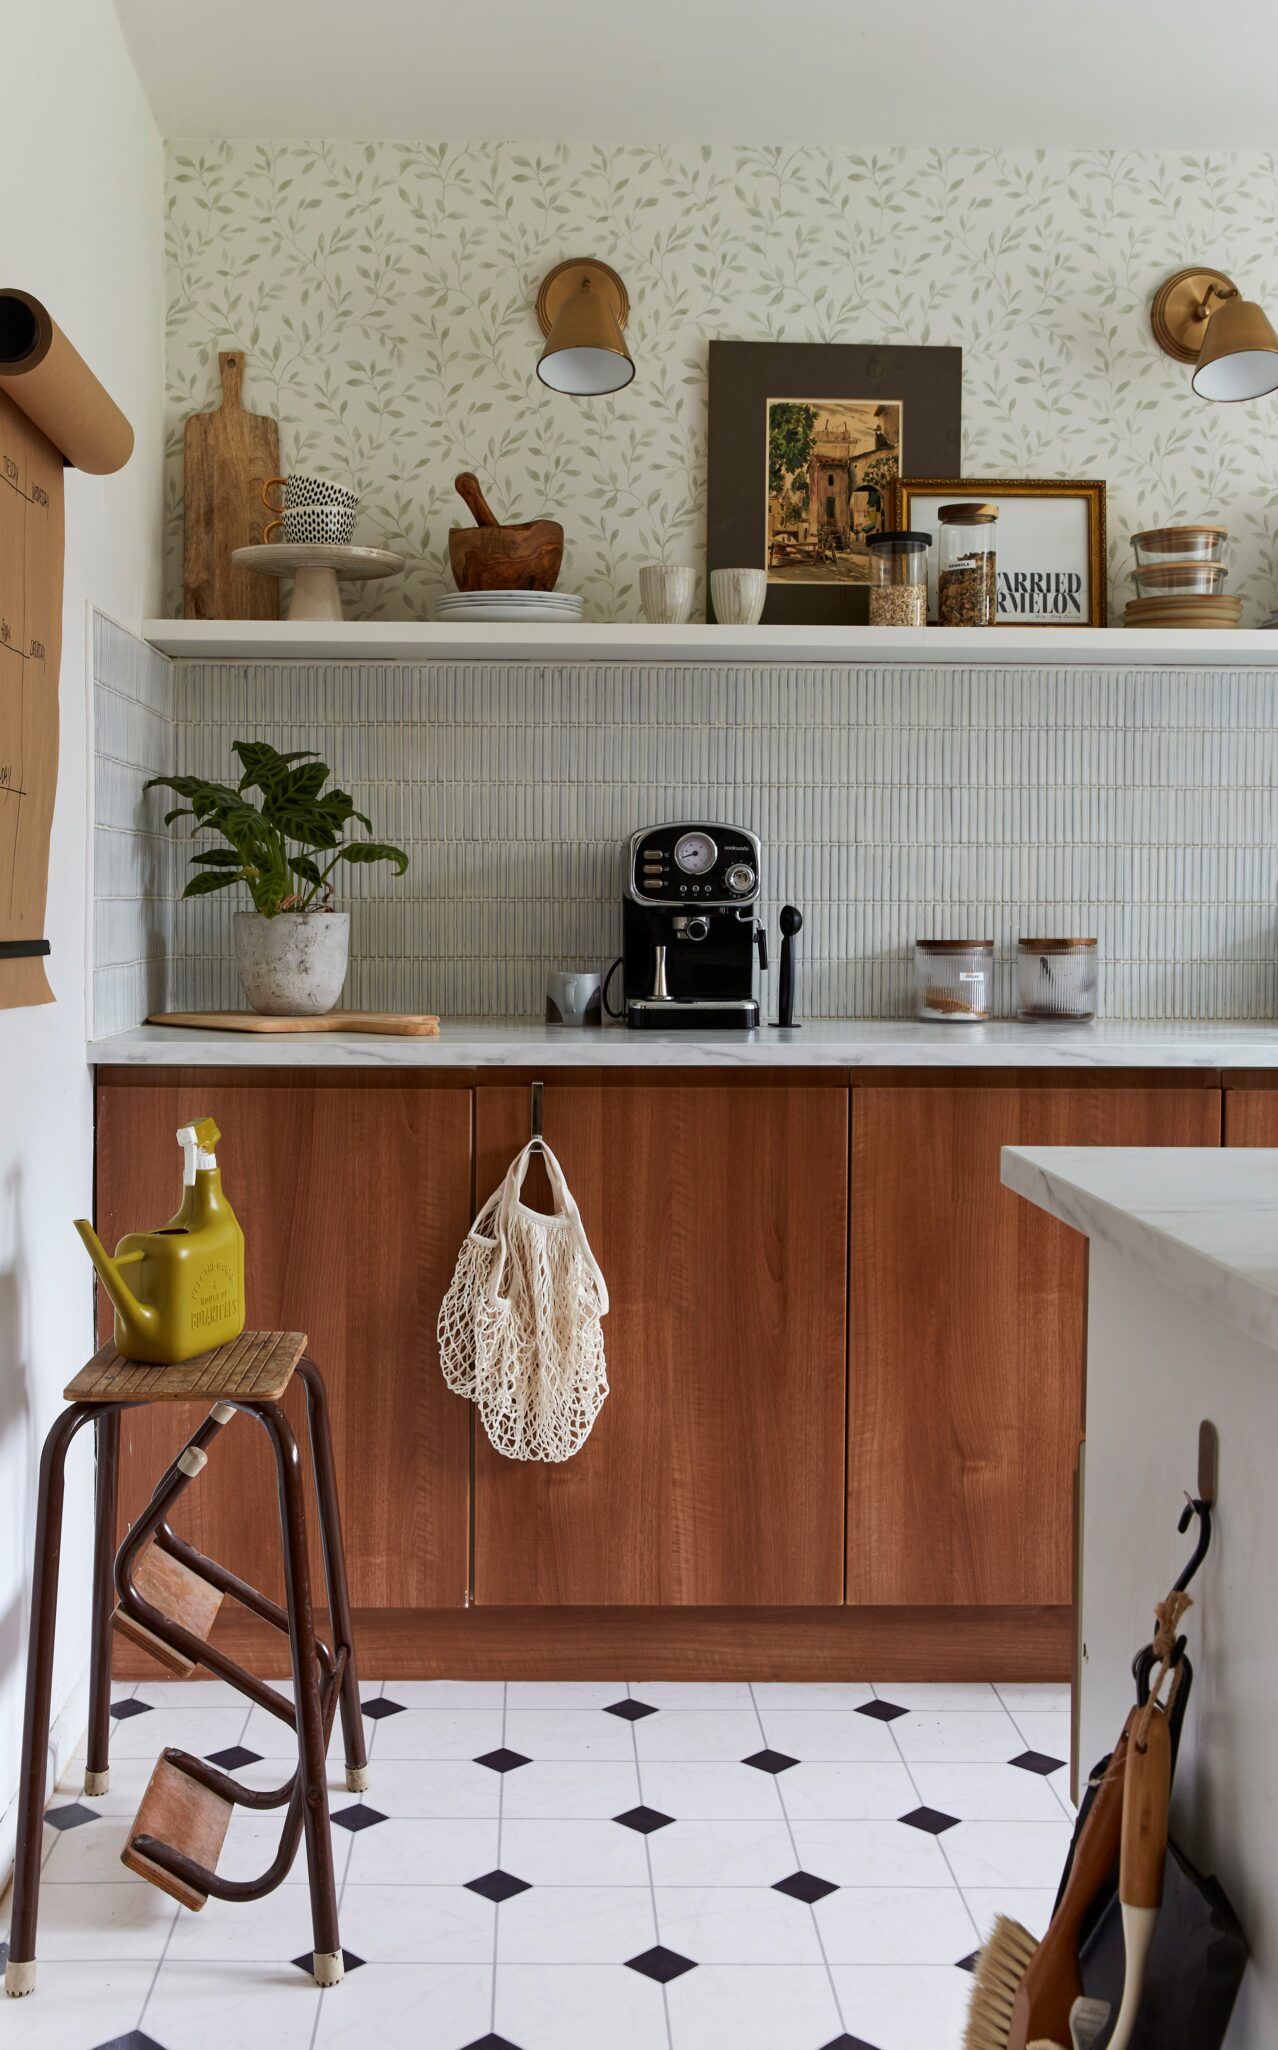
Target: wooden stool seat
255, 1367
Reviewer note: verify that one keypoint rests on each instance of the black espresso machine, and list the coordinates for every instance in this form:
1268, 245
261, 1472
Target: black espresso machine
689, 930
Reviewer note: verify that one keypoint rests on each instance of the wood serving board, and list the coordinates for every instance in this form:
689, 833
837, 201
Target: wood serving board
399, 1024
230, 454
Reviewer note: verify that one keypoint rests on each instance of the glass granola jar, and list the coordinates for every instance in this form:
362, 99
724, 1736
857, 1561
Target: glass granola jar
954, 980
1056, 979
965, 580
898, 578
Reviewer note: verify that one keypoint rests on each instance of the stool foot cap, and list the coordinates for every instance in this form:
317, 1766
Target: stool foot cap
19, 1979
96, 1783
330, 1967
358, 1779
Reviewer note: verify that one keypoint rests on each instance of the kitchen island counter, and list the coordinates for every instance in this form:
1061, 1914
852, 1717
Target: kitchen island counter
465, 1043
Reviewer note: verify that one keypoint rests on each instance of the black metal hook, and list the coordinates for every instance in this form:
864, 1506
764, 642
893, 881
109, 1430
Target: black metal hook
1199, 1506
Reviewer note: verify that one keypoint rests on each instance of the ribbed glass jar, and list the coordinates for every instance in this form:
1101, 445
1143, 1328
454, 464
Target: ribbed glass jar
954, 980
1056, 979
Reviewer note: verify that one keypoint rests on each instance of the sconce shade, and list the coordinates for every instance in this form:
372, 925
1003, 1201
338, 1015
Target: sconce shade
1239, 354
582, 307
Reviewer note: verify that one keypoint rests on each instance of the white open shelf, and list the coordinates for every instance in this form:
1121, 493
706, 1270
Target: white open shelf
260, 640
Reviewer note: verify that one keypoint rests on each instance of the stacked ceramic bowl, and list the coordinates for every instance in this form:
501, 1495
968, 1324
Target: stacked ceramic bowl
509, 608
1180, 579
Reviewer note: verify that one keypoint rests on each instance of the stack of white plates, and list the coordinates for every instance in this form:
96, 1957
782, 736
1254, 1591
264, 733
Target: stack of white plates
513, 608
1272, 620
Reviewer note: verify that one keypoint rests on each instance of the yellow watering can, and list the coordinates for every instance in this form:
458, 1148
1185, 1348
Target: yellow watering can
185, 1291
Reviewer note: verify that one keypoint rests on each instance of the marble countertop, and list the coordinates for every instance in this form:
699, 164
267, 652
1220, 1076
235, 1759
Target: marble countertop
1202, 1219
831, 1044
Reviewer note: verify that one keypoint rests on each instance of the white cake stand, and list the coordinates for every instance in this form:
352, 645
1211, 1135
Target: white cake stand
315, 567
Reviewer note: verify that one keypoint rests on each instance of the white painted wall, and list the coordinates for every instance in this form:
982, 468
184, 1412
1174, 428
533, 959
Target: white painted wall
81, 170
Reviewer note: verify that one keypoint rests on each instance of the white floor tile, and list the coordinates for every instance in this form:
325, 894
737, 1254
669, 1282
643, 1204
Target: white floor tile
904, 2007
910, 1926
737, 1925
696, 1793
555, 1789
567, 2007
769, 2007
192, 1694
684, 1734
565, 1693
128, 1780
934, 1694
252, 1841
721, 1854
91, 1854
1045, 1730
1058, 1781
569, 1733
871, 1854
1008, 1853
77, 2004
406, 2007
423, 1853
1034, 1694
200, 1730
987, 1793
958, 1736
805, 1695
437, 1733
439, 1694
114, 1919
575, 1925
699, 1694
418, 1925
847, 1792
829, 1737
431, 1786
265, 1932
254, 2007
1031, 1906
575, 1853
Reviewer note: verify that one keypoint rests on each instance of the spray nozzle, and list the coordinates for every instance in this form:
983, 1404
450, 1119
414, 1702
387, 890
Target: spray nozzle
197, 1141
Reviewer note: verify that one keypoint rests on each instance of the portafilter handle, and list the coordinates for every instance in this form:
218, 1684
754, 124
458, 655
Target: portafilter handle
791, 922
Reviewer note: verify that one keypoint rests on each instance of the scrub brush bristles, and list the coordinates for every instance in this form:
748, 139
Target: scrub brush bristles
1004, 1960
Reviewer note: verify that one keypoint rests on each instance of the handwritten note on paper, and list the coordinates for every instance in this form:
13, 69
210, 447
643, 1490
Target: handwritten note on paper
30, 648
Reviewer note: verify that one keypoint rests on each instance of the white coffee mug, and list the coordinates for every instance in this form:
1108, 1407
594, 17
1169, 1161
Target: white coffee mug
574, 997
665, 591
738, 595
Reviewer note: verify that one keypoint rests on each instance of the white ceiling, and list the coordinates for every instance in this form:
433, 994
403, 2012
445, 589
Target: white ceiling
1126, 74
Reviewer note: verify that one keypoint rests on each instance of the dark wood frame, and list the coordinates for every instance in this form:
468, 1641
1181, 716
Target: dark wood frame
1092, 489
928, 383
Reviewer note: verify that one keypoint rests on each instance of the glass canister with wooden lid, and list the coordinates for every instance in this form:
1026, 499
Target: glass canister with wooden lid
1056, 979
966, 563
954, 981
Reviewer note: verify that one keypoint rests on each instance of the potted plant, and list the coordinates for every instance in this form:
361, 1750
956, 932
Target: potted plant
291, 948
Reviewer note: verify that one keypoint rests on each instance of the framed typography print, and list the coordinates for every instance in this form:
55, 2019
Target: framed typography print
1050, 546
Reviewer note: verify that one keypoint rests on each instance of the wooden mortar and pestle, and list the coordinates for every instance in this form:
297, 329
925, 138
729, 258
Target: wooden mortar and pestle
491, 557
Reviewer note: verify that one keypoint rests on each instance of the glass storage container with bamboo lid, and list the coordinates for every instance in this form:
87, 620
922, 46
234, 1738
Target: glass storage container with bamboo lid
1179, 544
898, 578
954, 980
965, 582
1056, 978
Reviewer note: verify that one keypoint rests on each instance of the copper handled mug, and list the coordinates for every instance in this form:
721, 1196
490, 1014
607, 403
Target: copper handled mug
313, 512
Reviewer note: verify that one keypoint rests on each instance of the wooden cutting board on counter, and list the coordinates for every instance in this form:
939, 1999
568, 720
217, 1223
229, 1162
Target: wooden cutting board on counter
230, 454
399, 1024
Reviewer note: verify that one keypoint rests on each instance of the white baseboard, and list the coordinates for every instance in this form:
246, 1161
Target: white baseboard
65, 1738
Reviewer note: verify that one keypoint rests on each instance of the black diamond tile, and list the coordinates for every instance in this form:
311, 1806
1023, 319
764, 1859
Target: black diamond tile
805, 1886
498, 1886
770, 1761
375, 1710
1036, 1761
358, 1816
491, 2042
970, 1962
234, 1757
306, 1962
135, 2040
503, 1760
122, 1710
933, 1820
661, 1964
846, 2042
632, 1711
645, 1820
71, 1816
882, 1711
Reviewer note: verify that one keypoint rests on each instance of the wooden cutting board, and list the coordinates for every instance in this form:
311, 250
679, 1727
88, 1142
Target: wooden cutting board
400, 1024
229, 456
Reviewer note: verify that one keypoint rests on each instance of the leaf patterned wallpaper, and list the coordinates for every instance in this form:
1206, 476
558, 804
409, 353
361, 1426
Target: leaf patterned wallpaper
383, 293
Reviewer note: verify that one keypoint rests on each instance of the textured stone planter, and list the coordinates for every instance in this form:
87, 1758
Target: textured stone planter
292, 966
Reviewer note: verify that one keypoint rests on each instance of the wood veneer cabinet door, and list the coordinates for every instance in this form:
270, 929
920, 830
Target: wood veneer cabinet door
715, 1471
353, 1200
1251, 1117
967, 1336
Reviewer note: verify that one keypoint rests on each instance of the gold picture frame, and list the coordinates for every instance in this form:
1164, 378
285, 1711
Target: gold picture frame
1028, 591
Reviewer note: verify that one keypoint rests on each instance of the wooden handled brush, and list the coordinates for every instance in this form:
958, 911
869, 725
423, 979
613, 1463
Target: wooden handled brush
1146, 1798
1024, 1991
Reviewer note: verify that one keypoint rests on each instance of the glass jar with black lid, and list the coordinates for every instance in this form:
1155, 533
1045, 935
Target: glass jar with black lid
898, 578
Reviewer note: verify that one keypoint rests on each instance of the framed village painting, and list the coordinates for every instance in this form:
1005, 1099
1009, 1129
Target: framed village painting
1050, 552
807, 441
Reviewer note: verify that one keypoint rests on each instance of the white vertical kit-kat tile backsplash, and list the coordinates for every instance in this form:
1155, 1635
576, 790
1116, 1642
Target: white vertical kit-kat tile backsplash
891, 803
133, 855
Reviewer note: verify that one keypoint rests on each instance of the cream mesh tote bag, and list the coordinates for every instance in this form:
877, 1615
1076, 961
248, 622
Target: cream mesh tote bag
519, 1329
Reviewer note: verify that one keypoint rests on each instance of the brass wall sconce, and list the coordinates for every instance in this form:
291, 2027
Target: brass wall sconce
582, 307
1199, 316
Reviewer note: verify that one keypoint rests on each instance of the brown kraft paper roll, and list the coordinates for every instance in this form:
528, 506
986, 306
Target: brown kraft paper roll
54, 386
